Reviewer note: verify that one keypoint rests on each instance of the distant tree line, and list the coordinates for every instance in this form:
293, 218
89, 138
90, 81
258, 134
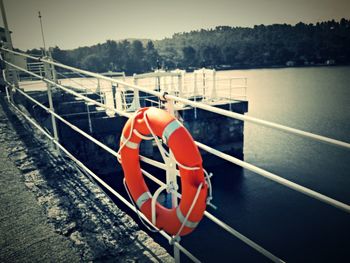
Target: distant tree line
130, 57
221, 47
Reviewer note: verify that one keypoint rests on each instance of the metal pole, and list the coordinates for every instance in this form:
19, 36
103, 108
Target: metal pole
4, 19
89, 117
52, 67
204, 85
48, 74
114, 88
136, 100
177, 253
213, 92
42, 33
179, 80
10, 46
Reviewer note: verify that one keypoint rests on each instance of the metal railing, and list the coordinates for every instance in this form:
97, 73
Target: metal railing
171, 99
206, 85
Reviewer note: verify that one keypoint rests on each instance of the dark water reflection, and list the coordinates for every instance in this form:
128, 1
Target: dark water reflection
291, 225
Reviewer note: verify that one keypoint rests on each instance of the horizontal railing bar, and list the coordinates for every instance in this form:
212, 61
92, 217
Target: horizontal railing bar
259, 121
92, 74
145, 159
156, 74
199, 105
260, 171
109, 188
122, 113
243, 238
103, 146
34, 63
224, 226
270, 176
276, 178
156, 180
153, 162
243, 164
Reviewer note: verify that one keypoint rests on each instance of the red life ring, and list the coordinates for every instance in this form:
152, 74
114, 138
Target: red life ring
185, 152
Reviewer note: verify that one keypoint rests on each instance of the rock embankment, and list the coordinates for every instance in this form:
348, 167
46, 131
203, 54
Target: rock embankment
50, 211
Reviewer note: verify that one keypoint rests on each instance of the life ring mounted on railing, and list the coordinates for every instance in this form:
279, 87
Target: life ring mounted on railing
180, 220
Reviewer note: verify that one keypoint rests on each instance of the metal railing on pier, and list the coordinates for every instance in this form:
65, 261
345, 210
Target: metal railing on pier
171, 99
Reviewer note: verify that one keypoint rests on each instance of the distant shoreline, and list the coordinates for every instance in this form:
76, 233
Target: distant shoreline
272, 67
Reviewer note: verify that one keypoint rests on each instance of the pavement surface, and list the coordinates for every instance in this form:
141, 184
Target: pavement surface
26, 236
51, 212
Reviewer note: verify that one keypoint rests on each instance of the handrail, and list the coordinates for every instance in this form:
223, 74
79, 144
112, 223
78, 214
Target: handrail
199, 105
262, 172
276, 178
159, 165
147, 160
115, 193
257, 170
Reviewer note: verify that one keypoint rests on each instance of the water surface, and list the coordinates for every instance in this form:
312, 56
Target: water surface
289, 224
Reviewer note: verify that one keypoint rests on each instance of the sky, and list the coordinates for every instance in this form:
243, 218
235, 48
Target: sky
73, 23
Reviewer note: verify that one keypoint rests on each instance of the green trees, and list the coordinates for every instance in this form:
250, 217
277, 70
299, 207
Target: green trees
131, 57
261, 46
151, 56
189, 56
223, 46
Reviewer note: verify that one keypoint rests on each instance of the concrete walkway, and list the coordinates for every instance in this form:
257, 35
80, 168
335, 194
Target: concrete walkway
51, 212
25, 235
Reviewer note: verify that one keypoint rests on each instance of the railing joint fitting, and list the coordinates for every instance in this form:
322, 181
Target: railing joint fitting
162, 96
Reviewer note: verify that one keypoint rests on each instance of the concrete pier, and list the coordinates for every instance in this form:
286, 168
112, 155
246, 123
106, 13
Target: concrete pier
51, 212
26, 236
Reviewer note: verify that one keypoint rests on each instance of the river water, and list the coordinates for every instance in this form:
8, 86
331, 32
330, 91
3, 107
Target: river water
289, 224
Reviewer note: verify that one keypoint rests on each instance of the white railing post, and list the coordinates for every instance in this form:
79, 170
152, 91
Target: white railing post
98, 88
171, 180
180, 87
164, 86
135, 105
7, 86
177, 254
171, 171
48, 74
213, 91
203, 83
195, 91
52, 67
119, 99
